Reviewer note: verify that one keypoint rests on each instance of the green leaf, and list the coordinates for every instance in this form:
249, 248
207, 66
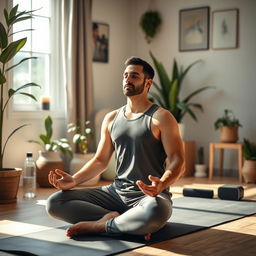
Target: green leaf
173, 94
183, 74
196, 92
6, 15
11, 92
13, 11
3, 37
175, 72
48, 127
12, 49
2, 78
29, 95
25, 59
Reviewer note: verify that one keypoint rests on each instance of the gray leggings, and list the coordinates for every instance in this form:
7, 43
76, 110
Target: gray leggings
145, 215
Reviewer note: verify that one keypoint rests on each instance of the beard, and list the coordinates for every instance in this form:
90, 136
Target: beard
132, 90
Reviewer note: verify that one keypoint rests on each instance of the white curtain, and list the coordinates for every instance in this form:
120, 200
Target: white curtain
76, 58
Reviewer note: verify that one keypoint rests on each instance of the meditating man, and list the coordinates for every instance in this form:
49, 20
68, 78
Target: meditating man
142, 135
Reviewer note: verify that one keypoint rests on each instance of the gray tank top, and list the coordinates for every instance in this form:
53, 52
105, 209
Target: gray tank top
138, 153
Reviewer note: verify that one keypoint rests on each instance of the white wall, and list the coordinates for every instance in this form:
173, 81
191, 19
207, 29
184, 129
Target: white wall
232, 72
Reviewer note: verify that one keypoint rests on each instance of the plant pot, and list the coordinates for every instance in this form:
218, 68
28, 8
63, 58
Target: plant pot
46, 162
229, 134
9, 184
200, 170
249, 171
78, 161
182, 130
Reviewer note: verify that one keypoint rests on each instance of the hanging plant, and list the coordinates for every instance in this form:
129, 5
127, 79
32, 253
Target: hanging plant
150, 23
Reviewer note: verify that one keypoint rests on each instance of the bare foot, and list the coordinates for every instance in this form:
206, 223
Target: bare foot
147, 236
86, 227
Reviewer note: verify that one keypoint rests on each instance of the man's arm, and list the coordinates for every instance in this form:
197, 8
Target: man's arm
93, 167
103, 154
165, 128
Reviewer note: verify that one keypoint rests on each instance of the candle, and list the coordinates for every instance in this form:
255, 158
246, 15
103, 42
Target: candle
45, 103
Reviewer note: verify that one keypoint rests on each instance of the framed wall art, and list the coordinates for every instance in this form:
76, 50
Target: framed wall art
100, 35
225, 29
194, 29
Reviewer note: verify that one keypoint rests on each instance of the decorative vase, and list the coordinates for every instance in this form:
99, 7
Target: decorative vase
9, 184
249, 171
200, 170
46, 162
77, 162
182, 130
229, 134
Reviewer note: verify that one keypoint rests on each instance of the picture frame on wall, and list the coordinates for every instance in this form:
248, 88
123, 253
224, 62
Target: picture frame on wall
100, 35
225, 29
194, 29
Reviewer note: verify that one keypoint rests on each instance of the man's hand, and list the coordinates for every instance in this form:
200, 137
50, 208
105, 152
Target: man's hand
154, 189
65, 181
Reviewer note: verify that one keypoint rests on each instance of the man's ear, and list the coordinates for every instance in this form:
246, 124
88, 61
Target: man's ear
149, 82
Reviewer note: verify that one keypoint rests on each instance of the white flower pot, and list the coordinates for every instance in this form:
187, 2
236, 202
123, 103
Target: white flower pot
77, 162
200, 170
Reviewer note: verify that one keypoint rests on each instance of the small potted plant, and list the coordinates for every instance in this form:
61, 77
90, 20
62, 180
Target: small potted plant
82, 134
200, 167
249, 166
10, 177
228, 125
49, 156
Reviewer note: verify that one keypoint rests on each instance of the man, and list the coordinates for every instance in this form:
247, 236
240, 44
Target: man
142, 135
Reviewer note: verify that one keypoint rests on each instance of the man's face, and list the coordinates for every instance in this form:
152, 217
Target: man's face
133, 80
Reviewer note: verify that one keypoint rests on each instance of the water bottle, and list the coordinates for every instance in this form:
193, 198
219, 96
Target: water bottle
29, 177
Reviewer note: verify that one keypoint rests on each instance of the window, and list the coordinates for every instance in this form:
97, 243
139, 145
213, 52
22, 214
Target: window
42, 69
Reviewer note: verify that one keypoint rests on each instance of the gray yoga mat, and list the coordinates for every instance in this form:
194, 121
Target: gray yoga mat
190, 214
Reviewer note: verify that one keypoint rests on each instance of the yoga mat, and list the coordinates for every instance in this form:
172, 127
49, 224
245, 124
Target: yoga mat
190, 214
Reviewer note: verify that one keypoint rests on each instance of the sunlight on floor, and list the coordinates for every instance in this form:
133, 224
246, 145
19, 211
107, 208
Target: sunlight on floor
14, 228
41, 202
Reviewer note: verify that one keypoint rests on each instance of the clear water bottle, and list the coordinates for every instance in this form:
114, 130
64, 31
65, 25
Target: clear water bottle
29, 177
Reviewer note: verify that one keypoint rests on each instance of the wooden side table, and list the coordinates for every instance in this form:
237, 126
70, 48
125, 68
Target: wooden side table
222, 146
190, 152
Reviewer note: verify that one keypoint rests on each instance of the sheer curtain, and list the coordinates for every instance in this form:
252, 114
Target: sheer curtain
76, 58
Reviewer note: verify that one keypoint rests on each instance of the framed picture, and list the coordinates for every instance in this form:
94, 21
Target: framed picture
225, 29
100, 35
194, 29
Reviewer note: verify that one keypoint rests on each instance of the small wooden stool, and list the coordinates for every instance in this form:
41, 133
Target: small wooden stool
222, 146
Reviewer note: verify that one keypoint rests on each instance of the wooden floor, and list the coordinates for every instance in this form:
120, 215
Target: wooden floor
233, 238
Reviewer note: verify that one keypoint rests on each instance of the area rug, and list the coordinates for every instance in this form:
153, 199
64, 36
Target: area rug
190, 214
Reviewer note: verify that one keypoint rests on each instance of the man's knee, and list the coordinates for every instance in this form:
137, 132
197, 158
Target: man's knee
53, 204
157, 211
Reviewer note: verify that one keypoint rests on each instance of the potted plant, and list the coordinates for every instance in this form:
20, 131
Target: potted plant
249, 166
49, 157
168, 91
150, 23
9, 177
82, 133
200, 167
228, 125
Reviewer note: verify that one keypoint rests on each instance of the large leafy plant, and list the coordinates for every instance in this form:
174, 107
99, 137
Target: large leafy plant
169, 88
249, 150
8, 49
228, 119
50, 145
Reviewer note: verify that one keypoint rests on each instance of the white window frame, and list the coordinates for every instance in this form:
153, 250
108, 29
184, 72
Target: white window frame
57, 90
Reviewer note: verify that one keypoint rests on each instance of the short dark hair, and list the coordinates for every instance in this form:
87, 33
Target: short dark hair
147, 69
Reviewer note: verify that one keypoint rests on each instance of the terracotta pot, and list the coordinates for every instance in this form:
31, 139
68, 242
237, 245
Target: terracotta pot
77, 163
229, 134
9, 184
249, 171
46, 162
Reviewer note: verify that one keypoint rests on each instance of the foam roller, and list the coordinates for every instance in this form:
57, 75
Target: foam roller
195, 192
